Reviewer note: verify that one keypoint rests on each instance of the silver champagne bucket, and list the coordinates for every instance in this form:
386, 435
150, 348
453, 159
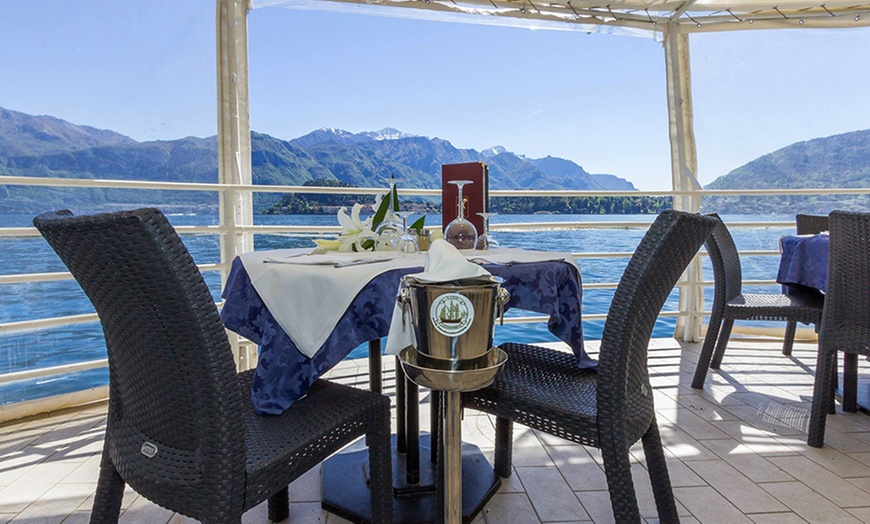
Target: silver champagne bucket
453, 328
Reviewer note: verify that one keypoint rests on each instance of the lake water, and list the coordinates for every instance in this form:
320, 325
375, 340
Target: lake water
51, 347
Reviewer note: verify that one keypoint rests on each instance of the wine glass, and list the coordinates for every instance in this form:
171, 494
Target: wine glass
405, 243
486, 241
460, 231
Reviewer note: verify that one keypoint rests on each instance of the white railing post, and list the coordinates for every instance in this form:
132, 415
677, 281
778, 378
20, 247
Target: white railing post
683, 168
234, 143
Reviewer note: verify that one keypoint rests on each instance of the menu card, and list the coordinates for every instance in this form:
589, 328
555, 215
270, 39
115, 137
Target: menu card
475, 195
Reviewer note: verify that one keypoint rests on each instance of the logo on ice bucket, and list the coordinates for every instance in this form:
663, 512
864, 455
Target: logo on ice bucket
451, 314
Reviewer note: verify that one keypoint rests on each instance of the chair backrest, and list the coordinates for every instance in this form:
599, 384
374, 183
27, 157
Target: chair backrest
727, 275
811, 224
662, 256
846, 313
174, 391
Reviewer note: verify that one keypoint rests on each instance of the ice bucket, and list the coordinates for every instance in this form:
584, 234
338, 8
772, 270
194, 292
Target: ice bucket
453, 322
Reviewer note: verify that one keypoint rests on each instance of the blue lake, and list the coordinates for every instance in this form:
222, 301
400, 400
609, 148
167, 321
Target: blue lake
22, 350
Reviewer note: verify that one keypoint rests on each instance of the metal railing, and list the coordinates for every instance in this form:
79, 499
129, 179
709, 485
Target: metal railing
223, 266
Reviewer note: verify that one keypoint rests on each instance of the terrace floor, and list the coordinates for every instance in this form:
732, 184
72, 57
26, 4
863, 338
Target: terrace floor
737, 453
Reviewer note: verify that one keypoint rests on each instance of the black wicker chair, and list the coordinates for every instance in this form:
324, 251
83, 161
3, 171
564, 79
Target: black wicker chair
611, 408
846, 317
730, 304
181, 429
811, 224
806, 225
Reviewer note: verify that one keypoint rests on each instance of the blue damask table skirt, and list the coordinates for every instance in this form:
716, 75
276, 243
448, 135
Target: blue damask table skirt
804, 261
284, 374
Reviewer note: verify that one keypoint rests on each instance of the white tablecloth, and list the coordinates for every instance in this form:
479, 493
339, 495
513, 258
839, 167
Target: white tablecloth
307, 300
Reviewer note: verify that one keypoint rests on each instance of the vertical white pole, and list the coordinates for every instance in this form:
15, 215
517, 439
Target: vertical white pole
683, 168
234, 140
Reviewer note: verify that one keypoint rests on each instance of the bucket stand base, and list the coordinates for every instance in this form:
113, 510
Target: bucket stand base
346, 491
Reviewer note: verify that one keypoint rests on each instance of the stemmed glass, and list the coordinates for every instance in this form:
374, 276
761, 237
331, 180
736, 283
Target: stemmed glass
486, 241
405, 243
460, 231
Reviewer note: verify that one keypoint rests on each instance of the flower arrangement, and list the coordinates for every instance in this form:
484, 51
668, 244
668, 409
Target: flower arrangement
363, 235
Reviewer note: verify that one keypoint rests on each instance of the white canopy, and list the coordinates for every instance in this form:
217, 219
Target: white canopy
619, 15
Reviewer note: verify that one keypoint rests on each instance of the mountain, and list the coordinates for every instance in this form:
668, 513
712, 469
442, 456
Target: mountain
839, 161
23, 134
44, 146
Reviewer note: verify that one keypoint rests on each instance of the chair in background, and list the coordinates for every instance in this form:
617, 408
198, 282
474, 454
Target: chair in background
730, 304
181, 429
846, 318
811, 224
806, 225
611, 408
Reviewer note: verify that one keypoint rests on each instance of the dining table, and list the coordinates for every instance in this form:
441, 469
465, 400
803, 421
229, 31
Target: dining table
804, 262
307, 312
803, 268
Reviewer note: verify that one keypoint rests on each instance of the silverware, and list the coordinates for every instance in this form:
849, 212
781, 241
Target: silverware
361, 261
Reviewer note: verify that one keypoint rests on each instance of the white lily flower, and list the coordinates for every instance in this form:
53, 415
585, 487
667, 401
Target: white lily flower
353, 230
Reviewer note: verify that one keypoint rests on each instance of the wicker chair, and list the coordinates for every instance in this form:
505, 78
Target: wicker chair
806, 225
811, 224
611, 408
181, 429
846, 317
730, 304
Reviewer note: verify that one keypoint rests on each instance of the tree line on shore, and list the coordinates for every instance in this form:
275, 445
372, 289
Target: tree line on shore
314, 203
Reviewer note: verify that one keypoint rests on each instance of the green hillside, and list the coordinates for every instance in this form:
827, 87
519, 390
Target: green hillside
840, 161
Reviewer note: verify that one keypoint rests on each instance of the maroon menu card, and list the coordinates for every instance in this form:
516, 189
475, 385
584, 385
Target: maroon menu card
475, 195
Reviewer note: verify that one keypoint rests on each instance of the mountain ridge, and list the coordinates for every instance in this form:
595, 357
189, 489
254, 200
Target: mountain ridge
50, 147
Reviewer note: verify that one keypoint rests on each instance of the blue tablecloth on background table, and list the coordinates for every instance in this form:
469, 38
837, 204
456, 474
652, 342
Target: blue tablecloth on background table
284, 374
804, 261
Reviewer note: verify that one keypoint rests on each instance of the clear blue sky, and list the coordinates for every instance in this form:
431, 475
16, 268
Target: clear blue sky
145, 68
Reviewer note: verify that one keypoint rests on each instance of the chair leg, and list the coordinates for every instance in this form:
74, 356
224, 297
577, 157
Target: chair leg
706, 353
381, 466
504, 445
788, 339
835, 379
821, 393
724, 335
658, 475
279, 506
850, 382
617, 469
110, 492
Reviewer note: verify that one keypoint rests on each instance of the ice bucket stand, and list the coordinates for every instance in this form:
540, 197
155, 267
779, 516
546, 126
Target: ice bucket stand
447, 365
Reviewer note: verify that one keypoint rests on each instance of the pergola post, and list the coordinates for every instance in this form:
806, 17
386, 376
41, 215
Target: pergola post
683, 168
234, 142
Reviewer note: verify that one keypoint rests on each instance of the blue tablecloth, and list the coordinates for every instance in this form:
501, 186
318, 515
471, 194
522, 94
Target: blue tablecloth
284, 375
804, 261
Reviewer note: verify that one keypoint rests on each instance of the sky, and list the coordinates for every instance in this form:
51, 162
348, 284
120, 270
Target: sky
146, 68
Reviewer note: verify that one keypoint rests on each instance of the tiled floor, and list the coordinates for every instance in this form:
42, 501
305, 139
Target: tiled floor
737, 454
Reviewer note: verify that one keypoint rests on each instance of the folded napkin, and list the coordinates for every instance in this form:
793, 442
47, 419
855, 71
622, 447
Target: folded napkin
444, 263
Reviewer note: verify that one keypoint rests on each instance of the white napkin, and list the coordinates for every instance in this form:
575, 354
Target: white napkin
444, 263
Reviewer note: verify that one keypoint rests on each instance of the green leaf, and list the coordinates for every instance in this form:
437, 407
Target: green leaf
380, 213
368, 244
418, 224
395, 197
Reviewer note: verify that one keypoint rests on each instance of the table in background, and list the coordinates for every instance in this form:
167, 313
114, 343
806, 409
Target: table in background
803, 268
804, 261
